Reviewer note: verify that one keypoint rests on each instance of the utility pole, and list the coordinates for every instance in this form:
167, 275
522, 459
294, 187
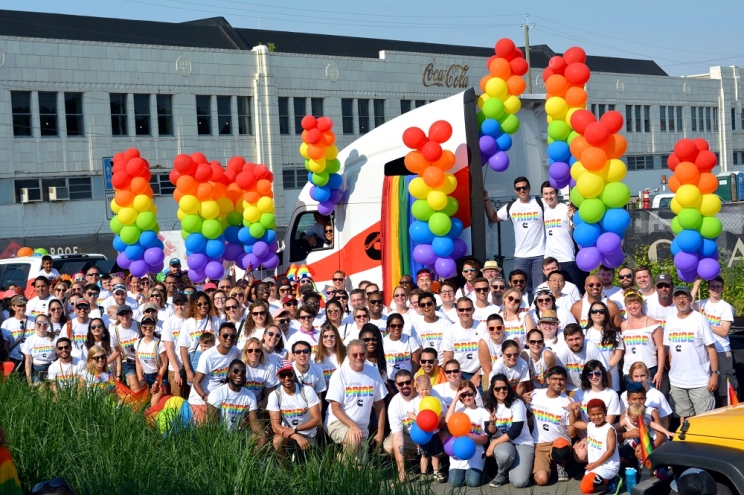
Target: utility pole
526, 27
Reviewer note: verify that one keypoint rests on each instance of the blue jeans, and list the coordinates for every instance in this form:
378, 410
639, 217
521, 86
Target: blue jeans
573, 274
461, 477
533, 268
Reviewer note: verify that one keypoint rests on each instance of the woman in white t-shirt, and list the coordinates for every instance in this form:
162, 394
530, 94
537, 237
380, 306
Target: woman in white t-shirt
57, 316
372, 338
199, 320
273, 345
95, 375
151, 360
515, 368
335, 314
402, 352
517, 323
595, 385
256, 321
38, 350
449, 303
539, 359
399, 304
511, 445
643, 339
156, 296
331, 351
489, 346
260, 373
601, 331
469, 472
219, 299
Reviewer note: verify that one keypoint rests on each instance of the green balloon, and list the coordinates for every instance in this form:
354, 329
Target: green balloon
576, 197
480, 118
592, 210
146, 220
451, 208
333, 166
571, 136
320, 178
130, 234
211, 229
116, 225
184, 234
160, 277
676, 227
493, 108
268, 220
690, 218
550, 140
41, 251
511, 124
439, 223
421, 210
615, 195
307, 165
711, 227
156, 228
235, 218
191, 223
257, 230
559, 130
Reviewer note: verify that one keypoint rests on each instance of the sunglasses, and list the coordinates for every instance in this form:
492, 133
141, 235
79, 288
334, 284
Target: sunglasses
231, 336
64, 348
202, 305
593, 285
332, 310
426, 304
258, 313
595, 374
357, 317
148, 327
496, 327
93, 274
469, 270
286, 374
305, 317
338, 279
500, 389
305, 281
627, 275
467, 394
53, 483
290, 303
375, 302
464, 310
481, 290
512, 299
59, 289
99, 358
251, 350
343, 297
427, 361
231, 307
449, 372
522, 188
369, 339
283, 321
286, 289
512, 355
405, 282
404, 384
57, 308
271, 334
446, 293
328, 231
544, 300
536, 342
600, 311
42, 323
395, 326
302, 351
358, 355
238, 371
519, 281
329, 337
498, 287
400, 294
158, 295
92, 294
96, 327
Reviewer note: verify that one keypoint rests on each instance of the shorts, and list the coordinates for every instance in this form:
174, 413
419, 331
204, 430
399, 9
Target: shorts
337, 431
39, 373
151, 378
128, 368
409, 447
726, 367
433, 448
543, 459
688, 402
296, 453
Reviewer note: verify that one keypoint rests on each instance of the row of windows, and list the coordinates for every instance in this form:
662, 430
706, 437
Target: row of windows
599, 109
75, 188
651, 162
300, 111
704, 119
638, 118
363, 115
142, 118
224, 115
48, 113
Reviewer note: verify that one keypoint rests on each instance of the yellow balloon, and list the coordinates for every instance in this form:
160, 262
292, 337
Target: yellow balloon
449, 184
497, 88
614, 171
180, 214
556, 107
482, 99
431, 404
317, 166
710, 205
590, 185
303, 150
512, 104
141, 202
418, 188
577, 169
251, 214
239, 206
153, 209
331, 152
688, 196
570, 113
127, 215
189, 204
549, 119
674, 205
115, 206
437, 200
265, 205
209, 209
225, 206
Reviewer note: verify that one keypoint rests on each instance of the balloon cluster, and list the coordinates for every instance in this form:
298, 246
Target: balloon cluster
695, 203
564, 78
258, 234
500, 103
135, 221
459, 445
435, 231
27, 251
209, 207
320, 152
427, 420
599, 194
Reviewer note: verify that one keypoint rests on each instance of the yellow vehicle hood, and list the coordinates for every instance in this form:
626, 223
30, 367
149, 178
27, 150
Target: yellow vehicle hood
726, 422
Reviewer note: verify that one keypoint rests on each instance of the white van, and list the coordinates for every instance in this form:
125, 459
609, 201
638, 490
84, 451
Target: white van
22, 271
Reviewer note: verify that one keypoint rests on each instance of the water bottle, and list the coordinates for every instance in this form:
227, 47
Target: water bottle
630, 478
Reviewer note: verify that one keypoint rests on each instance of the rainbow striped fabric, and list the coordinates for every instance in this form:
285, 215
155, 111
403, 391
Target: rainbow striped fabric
646, 445
9, 482
733, 399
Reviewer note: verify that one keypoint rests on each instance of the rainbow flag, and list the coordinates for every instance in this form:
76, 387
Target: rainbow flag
647, 445
733, 399
9, 482
397, 257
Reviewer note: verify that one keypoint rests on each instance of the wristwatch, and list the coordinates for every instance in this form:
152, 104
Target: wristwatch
294, 430
715, 372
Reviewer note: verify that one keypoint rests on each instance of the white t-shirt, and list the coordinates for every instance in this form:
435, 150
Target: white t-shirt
170, 332
640, 346
149, 357
49, 276
529, 229
125, 339
103, 381
213, 366
41, 349
311, 338
37, 306
551, 416
110, 301
558, 233
192, 329
463, 343
65, 375
356, 392
517, 374
294, 408
397, 413
687, 339
431, 334
481, 314
568, 289
658, 312
233, 406
516, 329
399, 354
655, 399
328, 365
574, 363
595, 336
479, 417
78, 336
596, 441
261, 377
313, 377
446, 394
505, 416
716, 313
608, 396
15, 332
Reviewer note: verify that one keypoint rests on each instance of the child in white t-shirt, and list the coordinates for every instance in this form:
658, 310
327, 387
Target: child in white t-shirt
434, 447
602, 451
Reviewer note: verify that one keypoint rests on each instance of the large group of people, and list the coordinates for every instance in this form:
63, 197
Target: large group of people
551, 373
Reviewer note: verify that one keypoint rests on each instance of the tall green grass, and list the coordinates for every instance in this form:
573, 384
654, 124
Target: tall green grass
99, 448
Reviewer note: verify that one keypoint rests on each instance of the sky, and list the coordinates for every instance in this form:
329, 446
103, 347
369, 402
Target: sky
684, 37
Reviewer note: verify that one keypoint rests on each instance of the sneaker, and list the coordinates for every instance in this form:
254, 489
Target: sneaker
614, 486
438, 477
499, 480
562, 474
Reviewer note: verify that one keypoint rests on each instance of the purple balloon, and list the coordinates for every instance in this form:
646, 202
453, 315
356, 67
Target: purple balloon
197, 261
154, 256
609, 243
336, 196
274, 246
251, 260
499, 162
445, 267
424, 254
588, 258
197, 276
233, 251
448, 447
560, 171
138, 268
558, 184
572, 183
156, 268
214, 270
685, 262
487, 145
688, 276
271, 262
613, 260
123, 261
461, 248
325, 207
708, 268
260, 249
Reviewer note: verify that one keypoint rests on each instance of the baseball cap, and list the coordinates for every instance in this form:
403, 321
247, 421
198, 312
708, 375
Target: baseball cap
124, 308
694, 481
81, 303
286, 299
306, 288
118, 287
18, 300
663, 278
548, 316
180, 298
559, 443
681, 289
151, 306
491, 264
175, 262
209, 286
286, 366
283, 281
149, 320
278, 311
269, 280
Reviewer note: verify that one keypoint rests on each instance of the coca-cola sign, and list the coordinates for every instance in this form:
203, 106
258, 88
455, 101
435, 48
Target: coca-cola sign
454, 76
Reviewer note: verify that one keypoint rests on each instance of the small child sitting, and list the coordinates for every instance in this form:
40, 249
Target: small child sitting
434, 447
627, 426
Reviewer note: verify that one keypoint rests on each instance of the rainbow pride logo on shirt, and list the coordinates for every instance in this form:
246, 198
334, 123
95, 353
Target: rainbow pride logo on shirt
43, 348
407, 423
230, 408
553, 223
397, 357
623, 314
503, 423
476, 429
635, 340
79, 339
583, 322
366, 391
546, 416
20, 333
594, 444
527, 216
294, 413
681, 337
662, 323
512, 331
220, 372
147, 356
715, 321
573, 367
327, 373
466, 346
128, 344
251, 385
605, 347
431, 338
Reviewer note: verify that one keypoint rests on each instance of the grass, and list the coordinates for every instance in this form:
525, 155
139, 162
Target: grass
98, 448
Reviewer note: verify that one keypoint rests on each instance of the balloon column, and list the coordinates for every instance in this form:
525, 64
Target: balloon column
258, 234
695, 203
435, 231
427, 420
462, 447
135, 220
499, 103
320, 152
564, 78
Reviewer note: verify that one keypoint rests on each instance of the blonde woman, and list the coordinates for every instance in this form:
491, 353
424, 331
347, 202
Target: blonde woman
256, 321
260, 373
331, 351
39, 351
516, 323
95, 376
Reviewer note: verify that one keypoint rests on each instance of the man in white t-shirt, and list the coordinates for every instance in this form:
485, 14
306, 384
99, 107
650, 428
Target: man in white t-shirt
307, 372
64, 372
526, 215
398, 444
693, 361
76, 328
232, 404
119, 297
576, 352
40, 304
559, 227
720, 316
607, 276
644, 279
483, 307
376, 304
294, 410
460, 341
550, 265
169, 334
354, 391
556, 284
660, 306
430, 327
491, 271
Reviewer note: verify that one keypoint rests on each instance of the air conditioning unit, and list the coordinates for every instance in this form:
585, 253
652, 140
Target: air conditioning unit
30, 195
59, 194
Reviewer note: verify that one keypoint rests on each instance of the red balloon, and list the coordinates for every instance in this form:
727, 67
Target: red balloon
120, 180
236, 163
249, 167
597, 134
325, 124
314, 136
580, 119
135, 167
490, 59
686, 150
203, 172
174, 176
245, 180
229, 177
217, 171
547, 72
261, 171
432, 151
119, 167
518, 54
701, 144
308, 122
672, 162
119, 157
557, 65
182, 163
199, 157
147, 175
577, 73
613, 120
575, 55
131, 153
414, 138
440, 131
705, 161
519, 66
505, 47
269, 176
427, 420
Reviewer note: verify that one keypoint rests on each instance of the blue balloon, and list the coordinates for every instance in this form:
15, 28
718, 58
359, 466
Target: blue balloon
559, 151
456, 228
420, 232
709, 249
269, 236
504, 142
615, 220
463, 448
335, 181
420, 436
571, 161
586, 234
148, 239
196, 242
214, 248
244, 236
322, 193
119, 245
134, 252
232, 234
491, 127
577, 219
689, 241
442, 246
674, 248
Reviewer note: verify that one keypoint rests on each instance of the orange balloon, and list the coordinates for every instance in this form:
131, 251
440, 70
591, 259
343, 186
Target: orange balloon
594, 159
415, 162
329, 138
708, 183
263, 187
140, 185
500, 68
459, 424
234, 194
315, 152
557, 85
446, 161
516, 85
124, 197
177, 195
219, 191
578, 145
483, 82
620, 146
252, 197
204, 192
187, 185
433, 176
575, 97
25, 251
687, 173
304, 137
674, 183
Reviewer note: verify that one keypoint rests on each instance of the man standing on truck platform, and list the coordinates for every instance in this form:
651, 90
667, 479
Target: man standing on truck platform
559, 227
529, 230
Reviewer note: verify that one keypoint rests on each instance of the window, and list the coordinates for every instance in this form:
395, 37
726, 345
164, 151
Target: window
60, 184
224, 115
316, 107
299, 248
707, 119
693, 113
662, 118
74, 114
701, 127
245, 122
628, 118
21, 103
405, 106
299, 113
15, 274
165, 115
80, 188
204, 115
48, 114
166, 188
610, 107
141, 115
715, 119
34, 189
680, 126
733, 122
638, 118
420, 103
379, 112
294, 178
644, 162
363, 107
118, 103
283, 115
736, 157
347, 115
646, 118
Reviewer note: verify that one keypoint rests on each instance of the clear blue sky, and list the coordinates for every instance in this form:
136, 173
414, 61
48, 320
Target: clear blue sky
684, 37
